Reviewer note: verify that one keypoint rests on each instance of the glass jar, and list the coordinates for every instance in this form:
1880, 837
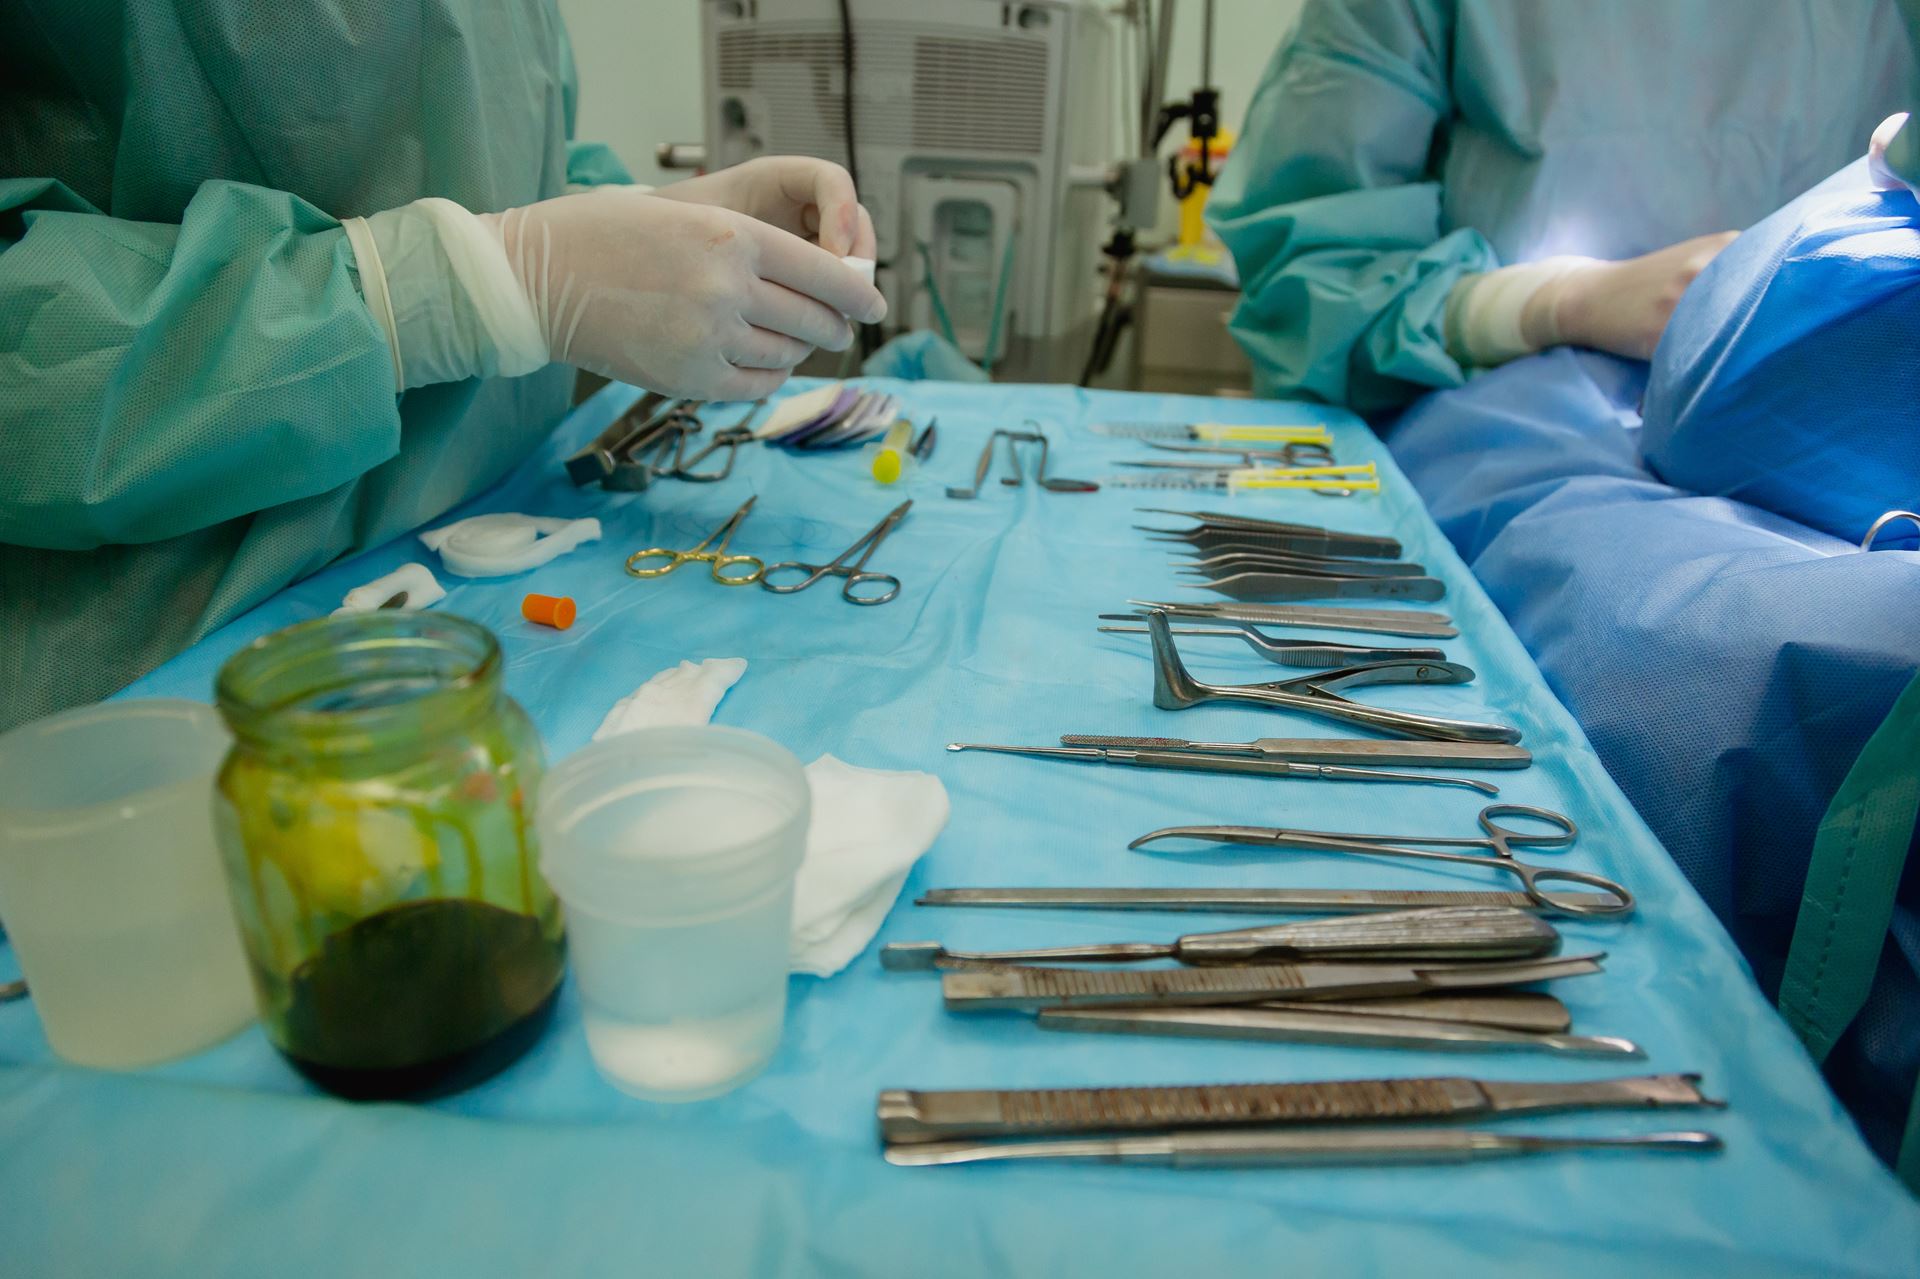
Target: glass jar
375, 820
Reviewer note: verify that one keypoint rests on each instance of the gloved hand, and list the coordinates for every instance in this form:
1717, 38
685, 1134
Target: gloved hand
1620, 307
1893, 156
688, 299
797, 193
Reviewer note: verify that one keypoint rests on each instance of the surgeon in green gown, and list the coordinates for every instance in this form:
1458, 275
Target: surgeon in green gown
1426, 187
280, 281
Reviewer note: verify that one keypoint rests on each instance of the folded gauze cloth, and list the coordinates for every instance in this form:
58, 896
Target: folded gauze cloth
869, 826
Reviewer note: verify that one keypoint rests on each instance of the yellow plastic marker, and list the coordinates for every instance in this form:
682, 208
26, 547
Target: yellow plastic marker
1217, 431
1360, 477
890, 462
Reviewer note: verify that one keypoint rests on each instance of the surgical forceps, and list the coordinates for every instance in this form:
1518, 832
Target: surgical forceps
716, 558
1174, 690
1374, 621
1319, 654
1215, 527
844, 565
1499, 839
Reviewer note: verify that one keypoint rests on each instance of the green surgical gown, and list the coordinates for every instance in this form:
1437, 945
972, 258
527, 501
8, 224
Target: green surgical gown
196, 405
1396, 145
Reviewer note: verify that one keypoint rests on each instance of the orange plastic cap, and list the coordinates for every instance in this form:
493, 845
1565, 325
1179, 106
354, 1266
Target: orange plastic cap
548, 610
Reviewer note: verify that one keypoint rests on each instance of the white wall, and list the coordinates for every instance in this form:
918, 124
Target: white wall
640, 67
639, 64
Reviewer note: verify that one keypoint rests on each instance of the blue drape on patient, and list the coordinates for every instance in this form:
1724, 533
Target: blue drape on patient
1787, 378
1728, 663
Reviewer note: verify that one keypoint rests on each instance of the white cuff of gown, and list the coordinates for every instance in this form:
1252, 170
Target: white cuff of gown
1484, 311
438, 281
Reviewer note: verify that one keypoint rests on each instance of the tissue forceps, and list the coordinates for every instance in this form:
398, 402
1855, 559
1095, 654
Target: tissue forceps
716, 559
1216, 527
1501, 840
1316, 654
855, 571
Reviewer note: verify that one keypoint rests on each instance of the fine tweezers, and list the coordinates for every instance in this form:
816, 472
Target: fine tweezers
1451, 932
1203, 762
909, 1116
1312, 586
1412, 623
1264, 1149
1221, 562
1308, 538
1260, 901
1331, 1025
1329, 750
1031, 989
1316, 654
1174, 689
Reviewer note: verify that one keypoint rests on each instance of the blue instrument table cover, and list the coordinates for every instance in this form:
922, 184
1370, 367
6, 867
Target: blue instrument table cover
227, 1163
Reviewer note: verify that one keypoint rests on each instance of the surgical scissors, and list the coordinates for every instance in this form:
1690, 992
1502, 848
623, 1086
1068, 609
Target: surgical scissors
855, 571
1498, 838
717, 559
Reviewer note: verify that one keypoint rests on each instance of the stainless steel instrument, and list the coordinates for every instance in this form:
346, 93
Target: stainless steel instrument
1412, 623
1175, 689
1309, 539
1329, 750
1450, 932
1319, 654
1334, 1024
1261, 901
1500, 841
1262, 1149
908, 1116
1200, 761
971, 989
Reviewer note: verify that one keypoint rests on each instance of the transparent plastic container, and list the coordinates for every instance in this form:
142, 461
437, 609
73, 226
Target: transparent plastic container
674, 852
110, 881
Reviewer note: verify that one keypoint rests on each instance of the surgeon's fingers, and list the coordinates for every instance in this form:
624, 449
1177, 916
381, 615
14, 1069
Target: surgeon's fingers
1880, 161
757, 348
777, 307
749, 384
809, 269
865, 243
829, 189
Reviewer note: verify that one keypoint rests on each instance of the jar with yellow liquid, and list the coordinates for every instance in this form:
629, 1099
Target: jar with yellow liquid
376, 825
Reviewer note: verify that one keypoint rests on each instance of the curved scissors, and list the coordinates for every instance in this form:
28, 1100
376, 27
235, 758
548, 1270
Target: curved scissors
1500, 839
717, 559
855, 572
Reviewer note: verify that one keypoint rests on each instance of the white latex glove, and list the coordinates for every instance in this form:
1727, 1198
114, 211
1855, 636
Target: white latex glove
799, 194
684, 298
1885, 156
1620, 307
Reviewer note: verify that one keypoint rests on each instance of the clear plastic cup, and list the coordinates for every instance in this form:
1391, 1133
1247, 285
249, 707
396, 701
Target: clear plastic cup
673, 851
111, 885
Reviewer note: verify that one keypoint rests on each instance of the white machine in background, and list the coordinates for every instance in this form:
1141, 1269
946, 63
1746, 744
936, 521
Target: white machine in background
983, 139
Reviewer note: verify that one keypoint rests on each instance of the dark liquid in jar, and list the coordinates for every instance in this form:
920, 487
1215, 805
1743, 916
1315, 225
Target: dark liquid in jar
422, 1000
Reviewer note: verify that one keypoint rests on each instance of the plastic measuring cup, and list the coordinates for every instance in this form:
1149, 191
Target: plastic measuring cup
111, 886
673, 851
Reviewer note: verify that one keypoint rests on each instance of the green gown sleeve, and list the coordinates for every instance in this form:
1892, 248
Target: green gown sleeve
1330, 209
158, 379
